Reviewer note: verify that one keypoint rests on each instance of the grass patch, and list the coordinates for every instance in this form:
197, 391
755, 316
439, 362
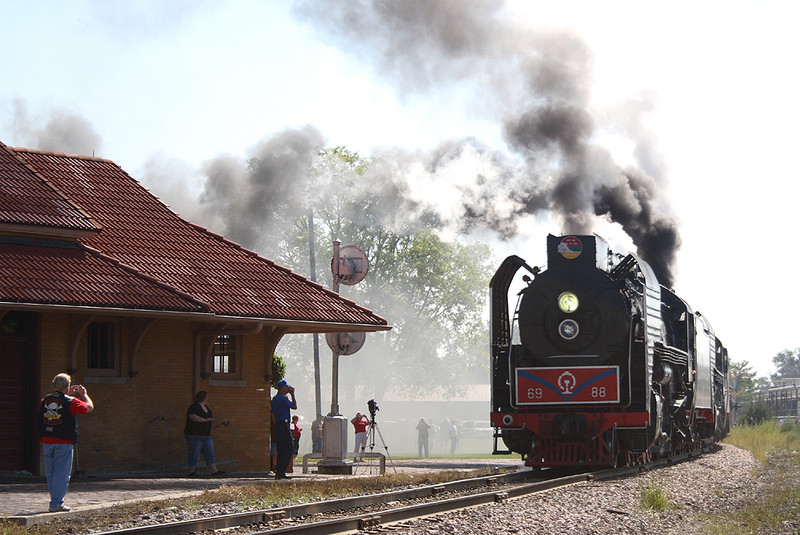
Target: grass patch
12, 528
776, 448
768, 516
654, 496
765, 438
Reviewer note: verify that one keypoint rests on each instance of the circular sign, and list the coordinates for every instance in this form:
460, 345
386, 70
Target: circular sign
570, 247
353, 265
345, 343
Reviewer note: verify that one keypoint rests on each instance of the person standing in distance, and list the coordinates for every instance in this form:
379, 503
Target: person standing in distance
422, 436
360, 423
282, 408
199, 422
58, 433
296, 434
316, 434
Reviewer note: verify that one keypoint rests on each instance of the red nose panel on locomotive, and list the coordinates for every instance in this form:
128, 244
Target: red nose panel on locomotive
573, 322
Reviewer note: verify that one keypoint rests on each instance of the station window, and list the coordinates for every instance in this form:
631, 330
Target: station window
102, 351
225, 357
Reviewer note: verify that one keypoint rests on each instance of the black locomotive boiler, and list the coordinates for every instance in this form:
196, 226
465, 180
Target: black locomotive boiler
598, 364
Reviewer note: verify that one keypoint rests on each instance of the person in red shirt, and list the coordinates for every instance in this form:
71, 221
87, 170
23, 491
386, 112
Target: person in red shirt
360, 423
58, 433
296, 431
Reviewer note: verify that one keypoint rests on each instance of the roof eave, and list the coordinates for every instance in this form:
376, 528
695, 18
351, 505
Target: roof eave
291, 326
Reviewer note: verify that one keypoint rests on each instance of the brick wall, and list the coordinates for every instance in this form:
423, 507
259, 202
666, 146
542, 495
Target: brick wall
138, 421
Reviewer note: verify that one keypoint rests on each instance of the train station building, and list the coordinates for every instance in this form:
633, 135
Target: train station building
100, 279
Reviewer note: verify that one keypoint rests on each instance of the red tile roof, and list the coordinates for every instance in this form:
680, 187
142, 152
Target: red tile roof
27, 199
199, 268
79, 276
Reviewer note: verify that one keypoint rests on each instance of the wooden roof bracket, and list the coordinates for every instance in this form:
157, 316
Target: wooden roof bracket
77, 327
138, 329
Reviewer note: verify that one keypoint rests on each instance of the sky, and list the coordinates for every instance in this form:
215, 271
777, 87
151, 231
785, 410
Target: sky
701, 99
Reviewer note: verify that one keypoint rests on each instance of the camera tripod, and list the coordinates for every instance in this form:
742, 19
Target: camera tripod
373, 428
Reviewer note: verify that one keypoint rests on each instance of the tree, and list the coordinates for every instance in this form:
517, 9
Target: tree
278, 369
745, 384
787, 363
432, 291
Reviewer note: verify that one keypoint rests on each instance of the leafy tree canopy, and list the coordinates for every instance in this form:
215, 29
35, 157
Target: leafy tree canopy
744, 382
432, 291
278, 369
787, 363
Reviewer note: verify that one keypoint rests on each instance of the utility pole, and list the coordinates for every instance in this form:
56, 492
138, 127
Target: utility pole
313, 261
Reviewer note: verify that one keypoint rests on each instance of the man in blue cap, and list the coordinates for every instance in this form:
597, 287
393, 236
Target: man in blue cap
281, 407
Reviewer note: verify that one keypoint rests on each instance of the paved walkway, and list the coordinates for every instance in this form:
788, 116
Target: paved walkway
25, 498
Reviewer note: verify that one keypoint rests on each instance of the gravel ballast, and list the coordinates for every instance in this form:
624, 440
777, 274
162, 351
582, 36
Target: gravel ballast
717, 483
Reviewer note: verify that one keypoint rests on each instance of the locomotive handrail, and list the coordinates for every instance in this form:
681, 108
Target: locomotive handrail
511, 388
630, 361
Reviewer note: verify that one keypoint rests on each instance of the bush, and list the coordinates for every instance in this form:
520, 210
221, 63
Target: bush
792, 431
654, 496
757, 412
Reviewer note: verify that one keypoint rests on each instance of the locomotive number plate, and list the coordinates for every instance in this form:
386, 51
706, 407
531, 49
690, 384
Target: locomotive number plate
579, 384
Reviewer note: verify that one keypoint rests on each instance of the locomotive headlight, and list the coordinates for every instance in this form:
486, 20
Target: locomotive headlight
568, 302
568, 329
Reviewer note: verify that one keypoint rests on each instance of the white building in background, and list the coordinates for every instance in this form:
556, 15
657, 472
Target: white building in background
782, 398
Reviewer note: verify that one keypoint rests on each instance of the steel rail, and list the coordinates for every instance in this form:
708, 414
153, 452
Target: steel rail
400, 514
391, 516
266, 515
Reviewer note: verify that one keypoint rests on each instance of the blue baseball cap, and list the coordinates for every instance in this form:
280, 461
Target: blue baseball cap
280, 384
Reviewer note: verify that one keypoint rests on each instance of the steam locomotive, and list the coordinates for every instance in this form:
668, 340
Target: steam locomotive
598, 364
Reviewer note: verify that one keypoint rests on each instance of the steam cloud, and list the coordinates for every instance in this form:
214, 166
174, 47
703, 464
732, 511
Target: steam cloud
63, 132
537, 84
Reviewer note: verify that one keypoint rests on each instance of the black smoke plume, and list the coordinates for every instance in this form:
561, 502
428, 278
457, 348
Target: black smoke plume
245, 196
537, 84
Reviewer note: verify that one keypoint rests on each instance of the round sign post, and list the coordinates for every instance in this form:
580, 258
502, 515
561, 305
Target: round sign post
349, 266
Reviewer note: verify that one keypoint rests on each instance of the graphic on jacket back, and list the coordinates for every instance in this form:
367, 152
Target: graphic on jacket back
52, 413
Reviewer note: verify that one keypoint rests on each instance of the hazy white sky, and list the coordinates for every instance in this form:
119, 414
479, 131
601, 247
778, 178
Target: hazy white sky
182, 82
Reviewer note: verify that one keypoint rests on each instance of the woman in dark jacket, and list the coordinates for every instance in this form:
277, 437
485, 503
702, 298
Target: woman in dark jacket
199, 420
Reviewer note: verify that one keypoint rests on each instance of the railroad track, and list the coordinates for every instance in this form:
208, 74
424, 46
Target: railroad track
375, 510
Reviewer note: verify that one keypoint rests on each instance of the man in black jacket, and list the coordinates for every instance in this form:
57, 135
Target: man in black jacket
58, 433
